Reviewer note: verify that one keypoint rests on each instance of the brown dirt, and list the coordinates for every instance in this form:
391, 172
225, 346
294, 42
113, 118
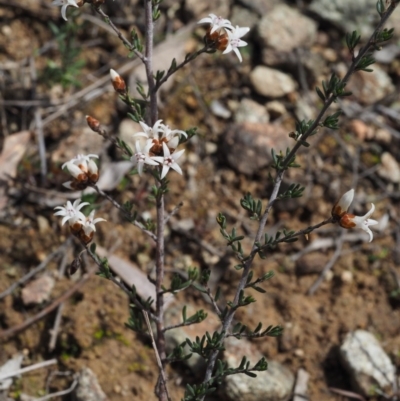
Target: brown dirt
93, 332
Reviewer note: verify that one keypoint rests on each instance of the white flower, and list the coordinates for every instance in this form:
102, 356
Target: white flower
64, 4
216, 22
71, 212
342, 205
83, 169
235, 42
363, 222
149, 132
89, 224
142, 157
169, 161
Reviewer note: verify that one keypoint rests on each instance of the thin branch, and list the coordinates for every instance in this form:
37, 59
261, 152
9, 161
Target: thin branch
28, 369
328, 266
125, 41
159, 363
126, 213
174, 211
59, 393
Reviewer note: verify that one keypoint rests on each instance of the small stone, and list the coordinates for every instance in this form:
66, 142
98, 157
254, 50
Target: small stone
251, 111
366, 361
88, 388
271, 83
389, 169
274, 384
299, 353
219, 110
276, 109
247, 147
210, 147
383, 136
38, 291
359, 128
43, 224
346, 277
311, 263
285, 28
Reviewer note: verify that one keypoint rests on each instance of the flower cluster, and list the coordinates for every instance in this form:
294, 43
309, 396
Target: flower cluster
84, 171
348, 220
80, 225
159, 148
223, 35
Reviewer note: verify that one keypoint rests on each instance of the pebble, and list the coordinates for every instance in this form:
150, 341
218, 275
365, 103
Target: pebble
284, 29
251, 111
389, 169
366, 361
271, 83
274, 384
247, 147
38, 291
88, 388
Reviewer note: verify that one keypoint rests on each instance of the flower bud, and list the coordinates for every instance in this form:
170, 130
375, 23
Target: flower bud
93, 124
117, 82
341, 207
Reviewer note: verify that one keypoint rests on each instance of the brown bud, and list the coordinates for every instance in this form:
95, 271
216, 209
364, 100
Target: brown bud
117, 82
93, 124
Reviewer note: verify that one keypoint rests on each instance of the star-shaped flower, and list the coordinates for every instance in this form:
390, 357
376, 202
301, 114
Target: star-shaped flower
348, 220
142, 157
169, 161
363, 222
89, 223
216, 22
64, 4
234, 41
71, 213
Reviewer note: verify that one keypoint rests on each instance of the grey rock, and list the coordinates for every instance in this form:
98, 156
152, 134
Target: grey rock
252, 112
271, 83
359, 15
261, 7
88, 388
389, 168
219, 110
274, 384
366, 361
285, 28
369, 87
38, 291
247, 147
243, 17
200, 9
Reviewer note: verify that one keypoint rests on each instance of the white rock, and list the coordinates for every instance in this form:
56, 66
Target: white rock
252, 112
285, 28
272, 83
389, 169
366, 362
274, 384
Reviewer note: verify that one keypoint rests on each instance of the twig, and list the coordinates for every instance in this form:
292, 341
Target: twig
27, 369
174, 211
126, 213
328, 266
120, 36
59, 393
56, 327
159, 363
34, 271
